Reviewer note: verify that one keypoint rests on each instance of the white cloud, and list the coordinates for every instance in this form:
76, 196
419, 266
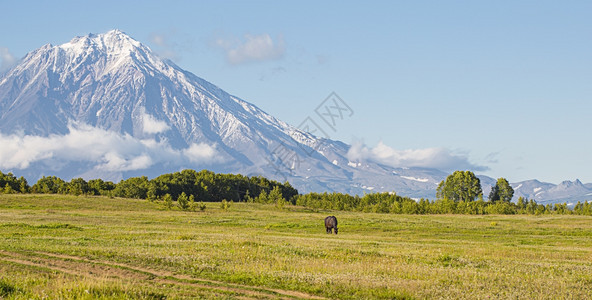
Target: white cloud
199, 152
438, 158
158, 38
115, 162
252, 48
164, 47
108, 150
7, 60
151, 125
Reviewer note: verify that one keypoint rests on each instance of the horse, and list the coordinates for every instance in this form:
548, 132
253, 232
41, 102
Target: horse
331, 224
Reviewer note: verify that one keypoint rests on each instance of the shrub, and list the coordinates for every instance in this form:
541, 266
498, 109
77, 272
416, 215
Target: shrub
225, 205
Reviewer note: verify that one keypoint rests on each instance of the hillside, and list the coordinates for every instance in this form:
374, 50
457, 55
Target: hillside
74, 247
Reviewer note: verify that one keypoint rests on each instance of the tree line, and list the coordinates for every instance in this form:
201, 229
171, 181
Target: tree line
459, 193
395, 204
203, 185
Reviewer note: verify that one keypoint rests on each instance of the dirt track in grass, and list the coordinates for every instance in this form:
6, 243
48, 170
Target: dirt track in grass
80, 266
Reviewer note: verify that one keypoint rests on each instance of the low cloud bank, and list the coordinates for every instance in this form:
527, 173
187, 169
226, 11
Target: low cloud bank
108, 150
437, 158
151, 125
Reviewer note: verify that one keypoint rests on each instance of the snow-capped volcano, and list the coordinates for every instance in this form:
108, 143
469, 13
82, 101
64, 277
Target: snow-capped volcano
106, 83
105, 106
113, 82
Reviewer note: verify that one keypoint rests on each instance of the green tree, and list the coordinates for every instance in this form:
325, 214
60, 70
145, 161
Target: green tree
23, 185
78, 186
8, 189
183, 201
500, 208
100, 187
522, 203
167, 200
501, 191
409, 207
494, 194
192, 203
289, 193
262, 198
50, 185
275, 195
248, 197
16, 185
460, 186
134, 187
151, 192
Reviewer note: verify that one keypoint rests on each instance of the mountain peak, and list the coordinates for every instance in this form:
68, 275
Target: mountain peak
117, 37
116, 32
569, 183
112, 42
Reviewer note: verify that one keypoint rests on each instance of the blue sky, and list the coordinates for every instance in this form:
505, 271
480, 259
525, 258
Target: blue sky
504, 86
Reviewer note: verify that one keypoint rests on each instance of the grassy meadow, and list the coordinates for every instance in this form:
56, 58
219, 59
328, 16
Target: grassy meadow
68, 247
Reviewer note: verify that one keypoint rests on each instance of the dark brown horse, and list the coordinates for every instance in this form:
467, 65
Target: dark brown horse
331, 224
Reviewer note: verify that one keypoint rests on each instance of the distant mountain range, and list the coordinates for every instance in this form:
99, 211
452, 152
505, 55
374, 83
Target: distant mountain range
106, 106
566, 191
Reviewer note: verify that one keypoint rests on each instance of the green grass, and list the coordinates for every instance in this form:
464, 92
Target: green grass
67, 247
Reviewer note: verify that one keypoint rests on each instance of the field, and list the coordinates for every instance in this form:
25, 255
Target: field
67, 247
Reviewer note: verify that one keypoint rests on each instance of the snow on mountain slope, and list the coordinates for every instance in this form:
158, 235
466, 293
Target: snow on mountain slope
530, 189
